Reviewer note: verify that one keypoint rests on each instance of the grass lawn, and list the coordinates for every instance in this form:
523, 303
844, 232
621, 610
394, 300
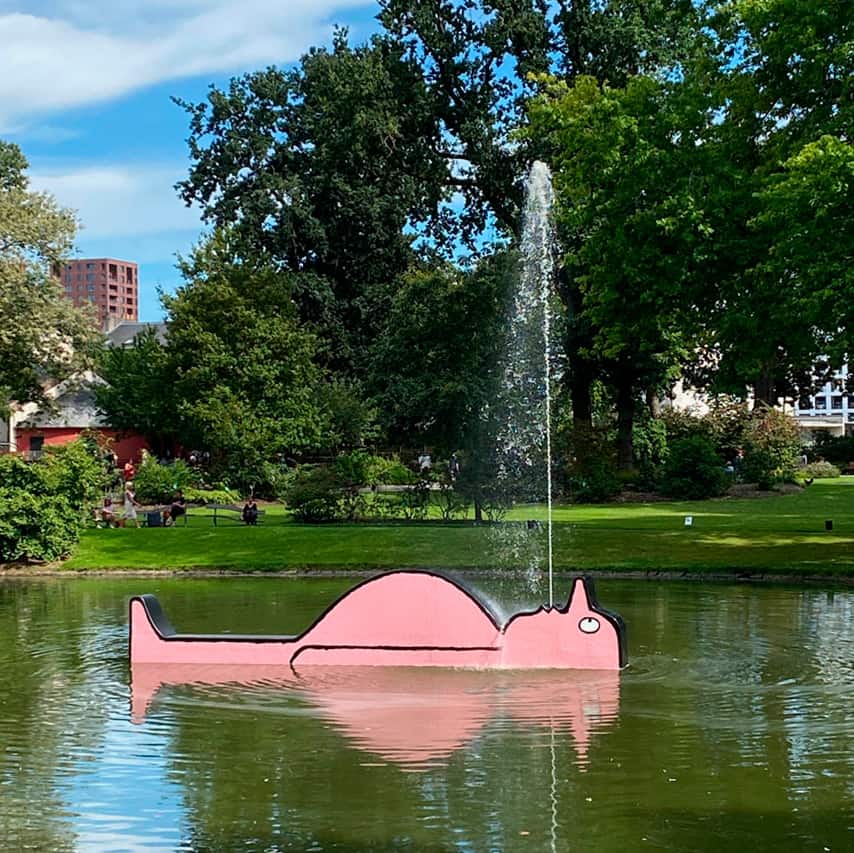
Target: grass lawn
784, 534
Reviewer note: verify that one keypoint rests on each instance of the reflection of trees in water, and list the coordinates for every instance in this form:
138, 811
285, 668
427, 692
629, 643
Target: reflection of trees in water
50, 708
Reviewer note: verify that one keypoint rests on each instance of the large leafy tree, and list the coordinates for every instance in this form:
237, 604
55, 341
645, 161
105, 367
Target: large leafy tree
43, 338
480, 62
784, 125
318, 170
437, 364
630, 185
242, 367
137, 394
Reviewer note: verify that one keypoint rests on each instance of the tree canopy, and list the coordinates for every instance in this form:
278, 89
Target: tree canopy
44, 339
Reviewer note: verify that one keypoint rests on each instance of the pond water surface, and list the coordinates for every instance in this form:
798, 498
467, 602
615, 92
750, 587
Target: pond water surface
730, 730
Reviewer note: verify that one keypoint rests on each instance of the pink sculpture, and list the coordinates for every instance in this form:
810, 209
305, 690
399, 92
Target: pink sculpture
403, 618
414, 716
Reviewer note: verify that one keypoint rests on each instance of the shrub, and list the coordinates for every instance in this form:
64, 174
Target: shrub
43, 504
836, 449
591, 476
817, 470
693, 470
315, 495
384, 471
724, 425
155, 483
649, 440
771, 448
36, 526
209, 496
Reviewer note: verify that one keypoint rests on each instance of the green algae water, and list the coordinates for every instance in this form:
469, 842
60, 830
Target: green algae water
730, 730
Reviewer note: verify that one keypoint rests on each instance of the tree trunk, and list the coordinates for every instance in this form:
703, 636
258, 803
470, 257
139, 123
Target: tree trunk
581, 371
625, 420
653, 402
764, 388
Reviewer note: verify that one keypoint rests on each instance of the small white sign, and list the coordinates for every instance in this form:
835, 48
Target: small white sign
689, 520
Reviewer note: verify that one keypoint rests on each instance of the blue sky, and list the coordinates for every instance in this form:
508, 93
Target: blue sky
85, 90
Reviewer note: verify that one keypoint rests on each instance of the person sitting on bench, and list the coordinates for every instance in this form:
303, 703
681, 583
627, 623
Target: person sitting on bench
178, 508
250, 511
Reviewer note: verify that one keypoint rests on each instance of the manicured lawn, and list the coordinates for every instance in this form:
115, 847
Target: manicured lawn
783, 534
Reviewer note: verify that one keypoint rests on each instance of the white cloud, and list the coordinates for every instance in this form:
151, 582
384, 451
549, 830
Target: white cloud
121, 200
59, 54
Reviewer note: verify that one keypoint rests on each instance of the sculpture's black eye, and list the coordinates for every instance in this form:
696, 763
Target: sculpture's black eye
589, 625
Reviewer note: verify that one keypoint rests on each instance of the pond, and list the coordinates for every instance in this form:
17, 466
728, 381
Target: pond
730, 729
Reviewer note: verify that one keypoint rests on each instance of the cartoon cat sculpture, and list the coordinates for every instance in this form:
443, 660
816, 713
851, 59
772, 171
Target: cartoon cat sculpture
403, 618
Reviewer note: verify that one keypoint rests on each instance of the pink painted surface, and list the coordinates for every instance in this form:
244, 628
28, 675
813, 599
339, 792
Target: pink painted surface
404, 618
415, 716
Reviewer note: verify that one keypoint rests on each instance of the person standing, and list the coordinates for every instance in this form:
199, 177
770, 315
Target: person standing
130, 505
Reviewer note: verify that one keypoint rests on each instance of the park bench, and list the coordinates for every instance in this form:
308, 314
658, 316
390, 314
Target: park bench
222, 512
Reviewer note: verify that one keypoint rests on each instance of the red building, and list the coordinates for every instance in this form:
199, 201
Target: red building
110, 285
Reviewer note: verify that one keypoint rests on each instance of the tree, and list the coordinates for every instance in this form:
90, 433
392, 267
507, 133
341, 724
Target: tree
244, 377
137, 394
629, 186
480, 63
785, 85
43, 337
318, 170
437, 367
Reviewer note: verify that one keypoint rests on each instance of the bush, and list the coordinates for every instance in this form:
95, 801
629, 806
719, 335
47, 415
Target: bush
44, 504
838, 449
818, 470
155, 483
649, 440
36, 526
384, 471
315, 495
772, 449
209, 496
592, 475
693, 470
724, 425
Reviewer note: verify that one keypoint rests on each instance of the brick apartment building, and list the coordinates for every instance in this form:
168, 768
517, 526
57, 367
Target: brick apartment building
110, 285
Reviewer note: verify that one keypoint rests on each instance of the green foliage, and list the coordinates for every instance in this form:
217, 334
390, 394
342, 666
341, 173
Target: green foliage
315, 495
156, 484
209, 496
836, 449
36, 526
351, 417
138, 391
435, 367
591, 470
44, 504
389, 471
819, 470
75, 472
651, 450
244, 372
771, 449
319, 169
693, 470
724, 425
41, 333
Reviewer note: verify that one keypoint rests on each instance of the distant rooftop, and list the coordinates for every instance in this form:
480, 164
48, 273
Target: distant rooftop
125, 332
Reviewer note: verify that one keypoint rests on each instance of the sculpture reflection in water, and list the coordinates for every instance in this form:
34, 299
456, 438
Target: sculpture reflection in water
414, 717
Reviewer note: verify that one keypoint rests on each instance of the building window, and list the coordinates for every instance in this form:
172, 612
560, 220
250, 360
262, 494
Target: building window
804, 404
851, 401
821, 402
836, 402
90, 266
